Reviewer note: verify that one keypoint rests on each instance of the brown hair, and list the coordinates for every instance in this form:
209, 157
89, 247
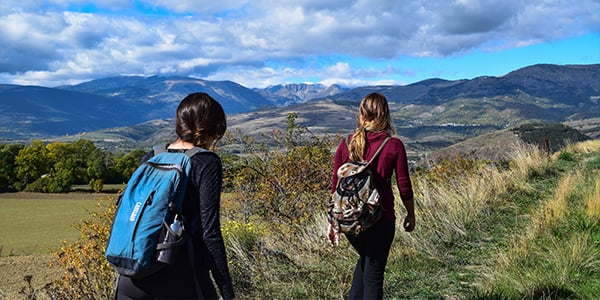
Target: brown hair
200, 120
374, 116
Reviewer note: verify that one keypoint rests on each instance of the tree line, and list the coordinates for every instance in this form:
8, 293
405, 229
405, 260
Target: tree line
55, 167
292, 162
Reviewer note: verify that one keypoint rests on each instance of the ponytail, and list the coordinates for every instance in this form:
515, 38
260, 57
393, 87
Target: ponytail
358, 145
374, 116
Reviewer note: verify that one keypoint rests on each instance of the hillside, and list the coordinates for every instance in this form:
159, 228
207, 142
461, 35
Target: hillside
500, 145
27, 113
290, 94
429, 115
166, 92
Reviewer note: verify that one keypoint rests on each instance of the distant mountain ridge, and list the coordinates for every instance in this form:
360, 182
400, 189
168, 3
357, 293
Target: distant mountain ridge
430, 113
563, 84
26, 112
289, 94
156, 90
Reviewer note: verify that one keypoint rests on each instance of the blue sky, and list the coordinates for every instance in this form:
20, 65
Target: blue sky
263, 42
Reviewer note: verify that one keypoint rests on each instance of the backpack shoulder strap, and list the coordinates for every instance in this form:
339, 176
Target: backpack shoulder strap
194, 151
190, 152
346, 141
160, 148
379, 149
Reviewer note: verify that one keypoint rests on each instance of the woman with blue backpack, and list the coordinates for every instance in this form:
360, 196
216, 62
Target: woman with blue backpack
200, 123
372, 233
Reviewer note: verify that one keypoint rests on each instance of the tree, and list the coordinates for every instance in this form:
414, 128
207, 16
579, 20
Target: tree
31, 163
56, 166
97, 169
126, 165
8, 154
83, 153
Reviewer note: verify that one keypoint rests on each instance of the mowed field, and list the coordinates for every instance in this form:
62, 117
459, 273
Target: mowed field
33, 227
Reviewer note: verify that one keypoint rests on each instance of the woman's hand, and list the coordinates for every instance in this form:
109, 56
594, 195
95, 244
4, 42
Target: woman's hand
333, 236
409, 223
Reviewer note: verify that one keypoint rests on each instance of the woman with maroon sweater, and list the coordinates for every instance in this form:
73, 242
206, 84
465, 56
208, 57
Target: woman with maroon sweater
373, 245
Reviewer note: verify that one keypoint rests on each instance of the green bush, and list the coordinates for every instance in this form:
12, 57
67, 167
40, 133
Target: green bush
566, 156
60, 182
97, 185
284, 183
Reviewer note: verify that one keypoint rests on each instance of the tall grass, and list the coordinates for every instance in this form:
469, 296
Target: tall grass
586, 147
592, 200
276, 266
450, 200
444, 209
558, 255
527, 161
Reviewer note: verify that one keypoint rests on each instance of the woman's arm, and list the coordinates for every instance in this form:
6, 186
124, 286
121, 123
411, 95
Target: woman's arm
405, 187
209, 190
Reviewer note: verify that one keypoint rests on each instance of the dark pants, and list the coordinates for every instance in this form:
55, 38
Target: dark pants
174, 282
373, 245
166, 288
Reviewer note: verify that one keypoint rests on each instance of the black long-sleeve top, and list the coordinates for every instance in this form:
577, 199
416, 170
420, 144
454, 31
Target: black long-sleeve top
201, 210
204, 191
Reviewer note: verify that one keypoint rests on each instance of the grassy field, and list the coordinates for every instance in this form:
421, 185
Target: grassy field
35, 223
33, 226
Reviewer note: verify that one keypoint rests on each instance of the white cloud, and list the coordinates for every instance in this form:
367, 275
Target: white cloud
237, 39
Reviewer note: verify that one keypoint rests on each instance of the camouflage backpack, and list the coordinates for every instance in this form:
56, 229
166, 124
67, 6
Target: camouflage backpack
354, 205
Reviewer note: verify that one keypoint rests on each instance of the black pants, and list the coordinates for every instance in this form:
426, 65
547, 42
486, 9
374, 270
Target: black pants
129, 289
373, 245
174, 282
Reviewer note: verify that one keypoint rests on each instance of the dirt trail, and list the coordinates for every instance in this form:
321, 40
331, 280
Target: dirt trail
13, 269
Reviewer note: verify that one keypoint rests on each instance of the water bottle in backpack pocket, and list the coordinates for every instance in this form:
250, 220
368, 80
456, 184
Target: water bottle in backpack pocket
171, 239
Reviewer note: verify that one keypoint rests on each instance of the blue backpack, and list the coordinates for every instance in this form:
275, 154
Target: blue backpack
148, 227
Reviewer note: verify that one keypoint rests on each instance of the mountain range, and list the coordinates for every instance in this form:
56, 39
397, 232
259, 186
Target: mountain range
136, 110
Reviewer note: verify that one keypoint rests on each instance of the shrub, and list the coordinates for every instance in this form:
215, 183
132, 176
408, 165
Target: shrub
57, 182
97, 185
556, 135
566, 155
285, 183
86, 273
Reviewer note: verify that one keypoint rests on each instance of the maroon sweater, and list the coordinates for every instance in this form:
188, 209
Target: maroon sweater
392, 158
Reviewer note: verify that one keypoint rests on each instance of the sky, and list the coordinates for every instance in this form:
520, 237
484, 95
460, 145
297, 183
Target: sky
260, 43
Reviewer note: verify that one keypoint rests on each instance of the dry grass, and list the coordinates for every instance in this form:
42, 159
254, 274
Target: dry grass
527, 161
592, 200
445, 209
590, 146
556, 208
